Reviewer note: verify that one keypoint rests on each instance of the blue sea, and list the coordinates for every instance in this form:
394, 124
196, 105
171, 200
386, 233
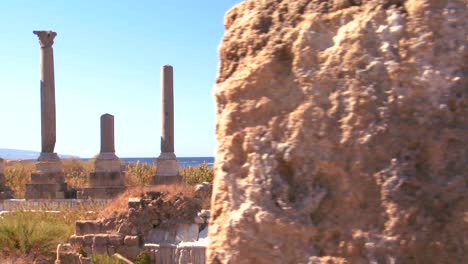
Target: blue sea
183, 161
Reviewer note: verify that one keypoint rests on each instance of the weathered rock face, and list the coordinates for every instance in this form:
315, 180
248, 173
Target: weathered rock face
342, 131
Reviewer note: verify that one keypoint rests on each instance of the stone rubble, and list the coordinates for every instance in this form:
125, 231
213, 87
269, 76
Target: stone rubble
156, 222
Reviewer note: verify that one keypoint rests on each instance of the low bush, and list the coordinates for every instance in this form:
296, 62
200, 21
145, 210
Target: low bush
105, 259
17, 175
32, 232
139, 174
197, 174
77, 172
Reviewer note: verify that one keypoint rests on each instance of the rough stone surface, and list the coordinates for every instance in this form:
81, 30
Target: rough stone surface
342, 133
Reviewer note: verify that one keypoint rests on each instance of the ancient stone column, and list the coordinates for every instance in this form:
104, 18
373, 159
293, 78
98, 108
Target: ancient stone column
167, 166
48, 179
107, 136
167, 111
48, 124
107, 180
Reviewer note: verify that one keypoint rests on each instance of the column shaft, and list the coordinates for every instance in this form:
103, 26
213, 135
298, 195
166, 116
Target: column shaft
107, 134
48, 122
167, 115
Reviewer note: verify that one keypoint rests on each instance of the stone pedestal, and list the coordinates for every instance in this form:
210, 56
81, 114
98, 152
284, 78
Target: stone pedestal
48, 180
167, 169
107, 180
5, 191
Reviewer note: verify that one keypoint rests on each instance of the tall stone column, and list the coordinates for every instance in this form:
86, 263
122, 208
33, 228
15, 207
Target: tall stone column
107, 137
48, 122
48, 179
107, 180
167, 111
167, 166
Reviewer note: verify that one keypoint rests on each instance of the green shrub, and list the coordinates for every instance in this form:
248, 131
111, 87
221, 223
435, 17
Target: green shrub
197, 174
32, 232
139, 174
77, 172
104, 259
17, 175
143, 258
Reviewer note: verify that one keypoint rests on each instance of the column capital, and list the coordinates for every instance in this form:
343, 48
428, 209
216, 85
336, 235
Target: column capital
46, 38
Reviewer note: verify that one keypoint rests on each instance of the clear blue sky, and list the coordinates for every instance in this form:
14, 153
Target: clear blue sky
108, 56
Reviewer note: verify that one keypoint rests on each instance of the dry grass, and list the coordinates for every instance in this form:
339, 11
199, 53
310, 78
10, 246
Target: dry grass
119, 204
77, 171
39, 232
17, 174
139, 174
197, 174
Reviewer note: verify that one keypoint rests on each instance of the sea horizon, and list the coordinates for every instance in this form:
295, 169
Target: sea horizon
183, 161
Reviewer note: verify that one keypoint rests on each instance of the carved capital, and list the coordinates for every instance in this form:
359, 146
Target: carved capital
46, 38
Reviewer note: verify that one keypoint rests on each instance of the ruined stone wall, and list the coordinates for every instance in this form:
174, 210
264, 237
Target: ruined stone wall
342, 133
169, 228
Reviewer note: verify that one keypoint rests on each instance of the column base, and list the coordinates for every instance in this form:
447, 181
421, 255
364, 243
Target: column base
48, 181
167, 170
46, 191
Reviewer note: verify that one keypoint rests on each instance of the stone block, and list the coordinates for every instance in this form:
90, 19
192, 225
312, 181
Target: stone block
116, 239
157, 235
108, 165
100, 239
76, 240
84, 227
88, 240
167, 167
99, 249
45, 191
130, 252
43, 178
131, 240
52, 167
165, 253
187, 233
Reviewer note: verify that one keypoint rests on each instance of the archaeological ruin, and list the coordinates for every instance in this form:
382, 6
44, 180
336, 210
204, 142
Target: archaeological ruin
48, 181
108, 179
167, 165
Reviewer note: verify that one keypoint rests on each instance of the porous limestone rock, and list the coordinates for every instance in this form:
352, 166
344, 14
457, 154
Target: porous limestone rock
342, 130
